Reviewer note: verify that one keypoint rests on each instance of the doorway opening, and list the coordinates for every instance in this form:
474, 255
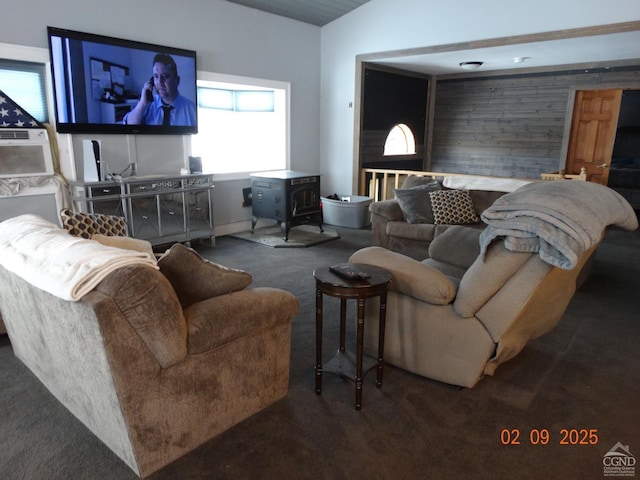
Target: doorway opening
392, 129
624, 176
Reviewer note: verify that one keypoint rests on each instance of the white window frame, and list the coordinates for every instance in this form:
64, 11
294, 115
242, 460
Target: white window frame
400, 135
33, 55
41, 55
247, 83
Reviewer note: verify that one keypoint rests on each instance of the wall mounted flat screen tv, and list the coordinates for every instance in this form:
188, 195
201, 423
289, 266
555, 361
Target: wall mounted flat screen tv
109, 85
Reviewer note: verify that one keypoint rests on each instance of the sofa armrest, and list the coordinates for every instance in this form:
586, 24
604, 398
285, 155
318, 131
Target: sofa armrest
388, 209
410, 277
382, 213
145, 299
219, 320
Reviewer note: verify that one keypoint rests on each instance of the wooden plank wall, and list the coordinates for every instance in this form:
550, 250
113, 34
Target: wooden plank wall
510, 126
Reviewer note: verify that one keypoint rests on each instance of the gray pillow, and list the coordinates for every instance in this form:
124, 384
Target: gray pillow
417, 180
415, 203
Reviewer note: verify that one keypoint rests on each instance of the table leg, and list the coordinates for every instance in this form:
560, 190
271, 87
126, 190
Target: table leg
343, 322
318, 341
383, 317
359, 353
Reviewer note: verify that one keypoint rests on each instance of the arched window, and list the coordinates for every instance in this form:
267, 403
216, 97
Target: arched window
400, 141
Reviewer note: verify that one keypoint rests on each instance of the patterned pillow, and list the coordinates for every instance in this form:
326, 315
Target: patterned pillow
452, 207
86, 225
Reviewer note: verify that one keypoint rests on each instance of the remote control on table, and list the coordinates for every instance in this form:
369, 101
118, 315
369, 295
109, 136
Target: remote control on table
348, 272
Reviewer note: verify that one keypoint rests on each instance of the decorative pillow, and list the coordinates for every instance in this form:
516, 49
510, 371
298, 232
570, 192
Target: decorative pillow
417, 180
195, 278
85, 225
453, 207
414, 202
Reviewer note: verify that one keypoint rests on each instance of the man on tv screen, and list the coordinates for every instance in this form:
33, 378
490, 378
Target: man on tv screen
167, 106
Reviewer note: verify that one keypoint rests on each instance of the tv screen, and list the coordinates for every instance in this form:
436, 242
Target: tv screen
109, 85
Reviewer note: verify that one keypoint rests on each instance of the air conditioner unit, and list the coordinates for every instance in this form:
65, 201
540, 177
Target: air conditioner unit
25, 152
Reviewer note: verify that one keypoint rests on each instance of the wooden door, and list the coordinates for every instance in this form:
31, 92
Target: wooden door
593, 133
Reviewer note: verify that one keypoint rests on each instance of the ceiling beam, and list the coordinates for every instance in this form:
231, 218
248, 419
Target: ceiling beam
502, 41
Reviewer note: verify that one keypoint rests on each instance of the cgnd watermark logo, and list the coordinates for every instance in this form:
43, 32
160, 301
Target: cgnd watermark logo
619, 462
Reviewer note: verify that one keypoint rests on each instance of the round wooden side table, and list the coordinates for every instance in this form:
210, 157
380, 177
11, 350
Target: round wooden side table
345, 363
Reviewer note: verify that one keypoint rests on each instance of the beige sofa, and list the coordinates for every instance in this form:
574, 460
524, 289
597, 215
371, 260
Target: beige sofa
401, 225
155, 362
482, 295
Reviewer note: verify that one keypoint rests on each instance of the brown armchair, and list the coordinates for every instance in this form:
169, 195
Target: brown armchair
155, 361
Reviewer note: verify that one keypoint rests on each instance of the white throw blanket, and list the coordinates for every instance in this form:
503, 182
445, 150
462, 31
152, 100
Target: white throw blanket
49, 258
474, 182
557, 219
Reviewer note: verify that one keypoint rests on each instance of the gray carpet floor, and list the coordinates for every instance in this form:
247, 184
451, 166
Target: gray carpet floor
585, 374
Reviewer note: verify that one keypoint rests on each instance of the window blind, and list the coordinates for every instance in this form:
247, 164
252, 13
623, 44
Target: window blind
24, 82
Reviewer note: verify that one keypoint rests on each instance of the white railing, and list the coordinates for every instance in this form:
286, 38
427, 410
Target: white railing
379, 183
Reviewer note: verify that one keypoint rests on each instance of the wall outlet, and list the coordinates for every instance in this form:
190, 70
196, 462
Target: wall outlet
247, 197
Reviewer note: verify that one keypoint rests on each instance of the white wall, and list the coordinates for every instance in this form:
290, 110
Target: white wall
236, 40
383, 25
228, 38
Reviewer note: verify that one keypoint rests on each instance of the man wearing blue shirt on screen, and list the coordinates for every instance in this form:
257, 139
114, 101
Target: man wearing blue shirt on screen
167, 106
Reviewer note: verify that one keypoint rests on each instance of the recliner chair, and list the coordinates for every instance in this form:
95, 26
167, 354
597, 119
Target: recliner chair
458, 315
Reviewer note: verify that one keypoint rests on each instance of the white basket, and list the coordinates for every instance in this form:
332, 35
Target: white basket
351, 211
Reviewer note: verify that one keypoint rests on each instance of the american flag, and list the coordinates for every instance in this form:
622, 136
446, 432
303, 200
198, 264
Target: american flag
13, 116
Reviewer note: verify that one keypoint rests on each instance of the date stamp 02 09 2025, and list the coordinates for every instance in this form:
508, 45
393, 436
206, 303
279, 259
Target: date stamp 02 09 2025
542, 436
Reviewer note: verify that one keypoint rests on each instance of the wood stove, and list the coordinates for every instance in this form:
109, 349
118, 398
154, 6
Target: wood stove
291, 198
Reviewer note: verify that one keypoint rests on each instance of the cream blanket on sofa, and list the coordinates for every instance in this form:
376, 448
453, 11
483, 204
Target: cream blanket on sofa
557, 219
49, 258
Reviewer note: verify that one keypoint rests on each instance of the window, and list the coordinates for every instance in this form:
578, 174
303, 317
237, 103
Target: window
243, 125
24, 83
400, 141
236, 100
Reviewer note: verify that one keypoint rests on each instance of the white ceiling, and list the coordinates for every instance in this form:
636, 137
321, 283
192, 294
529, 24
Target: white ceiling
609, 47
583, 52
